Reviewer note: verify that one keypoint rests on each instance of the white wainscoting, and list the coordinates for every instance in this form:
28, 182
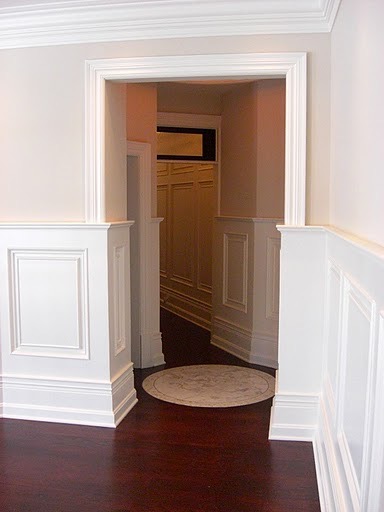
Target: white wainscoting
246, 288
349, 446
35, 277
331, 362
65, 324
186, 200
301, 319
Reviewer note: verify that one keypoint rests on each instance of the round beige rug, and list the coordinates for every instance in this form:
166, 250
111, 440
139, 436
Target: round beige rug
210, 385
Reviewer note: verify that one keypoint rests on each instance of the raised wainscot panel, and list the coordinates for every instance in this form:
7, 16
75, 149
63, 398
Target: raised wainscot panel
182, 242
373, 494
273, 278
181, 168
119, 292
357, 342
162, 169
333, 322
235, 271
49, 286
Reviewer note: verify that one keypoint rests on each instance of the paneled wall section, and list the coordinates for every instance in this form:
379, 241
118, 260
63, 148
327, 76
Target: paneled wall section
246, 288
186, 199
349, 443
65, 323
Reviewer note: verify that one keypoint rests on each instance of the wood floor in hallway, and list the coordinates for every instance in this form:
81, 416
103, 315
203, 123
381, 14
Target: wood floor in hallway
162, 457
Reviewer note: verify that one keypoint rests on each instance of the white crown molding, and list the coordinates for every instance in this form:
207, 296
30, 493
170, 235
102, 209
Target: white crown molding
36, 23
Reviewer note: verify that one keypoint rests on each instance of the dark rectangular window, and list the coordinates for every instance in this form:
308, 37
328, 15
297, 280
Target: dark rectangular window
186, 143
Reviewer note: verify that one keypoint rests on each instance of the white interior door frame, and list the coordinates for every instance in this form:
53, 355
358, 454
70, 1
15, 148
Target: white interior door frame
292, 66
149, 300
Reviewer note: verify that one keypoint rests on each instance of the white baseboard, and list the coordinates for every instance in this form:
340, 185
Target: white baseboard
101, 404
123, 394
158, 360
186, 307
253, 347
154, 356
157, 349
294, 417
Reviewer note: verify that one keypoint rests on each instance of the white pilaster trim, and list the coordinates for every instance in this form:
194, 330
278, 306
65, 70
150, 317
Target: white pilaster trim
290, 65
295, 143
150, 337
86, 21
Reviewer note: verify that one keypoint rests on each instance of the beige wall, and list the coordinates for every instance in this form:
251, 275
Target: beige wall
41, 136
141, 121
252, 142
238, 152
42, 121
141, 112
253, 135
115, 152
270, 148
357, 127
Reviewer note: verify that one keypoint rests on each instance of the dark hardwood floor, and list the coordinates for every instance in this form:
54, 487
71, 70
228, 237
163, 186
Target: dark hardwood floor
162, 457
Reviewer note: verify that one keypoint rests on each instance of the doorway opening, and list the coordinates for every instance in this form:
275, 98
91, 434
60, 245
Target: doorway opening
221, 216
249, 66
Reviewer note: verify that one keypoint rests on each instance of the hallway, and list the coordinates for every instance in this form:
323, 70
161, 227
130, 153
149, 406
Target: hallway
162, 457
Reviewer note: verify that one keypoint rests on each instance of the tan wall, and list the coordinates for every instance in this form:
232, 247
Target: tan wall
238, 152
253, 140
115, 153
270, 148
42, 121
142, 122
188, 99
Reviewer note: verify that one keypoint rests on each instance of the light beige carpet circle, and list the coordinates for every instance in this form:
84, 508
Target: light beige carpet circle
210, 385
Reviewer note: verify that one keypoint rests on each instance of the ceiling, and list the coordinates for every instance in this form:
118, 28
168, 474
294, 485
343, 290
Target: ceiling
25, 23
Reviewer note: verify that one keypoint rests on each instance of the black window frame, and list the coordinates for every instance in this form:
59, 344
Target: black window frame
209, 143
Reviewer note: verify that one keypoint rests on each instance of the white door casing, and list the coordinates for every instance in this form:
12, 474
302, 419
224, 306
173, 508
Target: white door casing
292, 66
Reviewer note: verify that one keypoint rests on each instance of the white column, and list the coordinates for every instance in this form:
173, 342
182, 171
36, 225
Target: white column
301, 323
65, 325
